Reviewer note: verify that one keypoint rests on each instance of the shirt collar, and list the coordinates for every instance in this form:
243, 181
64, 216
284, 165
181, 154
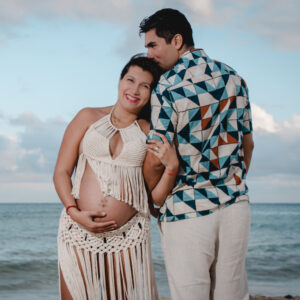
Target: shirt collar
184, 61
193, 53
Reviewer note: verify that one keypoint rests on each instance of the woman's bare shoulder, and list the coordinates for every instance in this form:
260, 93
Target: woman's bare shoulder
145, 125
89, 115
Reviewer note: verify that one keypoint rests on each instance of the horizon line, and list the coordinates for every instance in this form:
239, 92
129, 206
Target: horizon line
251, 202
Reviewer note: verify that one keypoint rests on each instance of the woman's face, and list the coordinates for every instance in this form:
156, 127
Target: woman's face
135, 89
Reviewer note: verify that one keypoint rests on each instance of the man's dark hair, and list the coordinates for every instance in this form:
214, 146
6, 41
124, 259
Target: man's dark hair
151, 66
168, 22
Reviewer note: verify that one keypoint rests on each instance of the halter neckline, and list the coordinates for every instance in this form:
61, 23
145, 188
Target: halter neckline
116, 128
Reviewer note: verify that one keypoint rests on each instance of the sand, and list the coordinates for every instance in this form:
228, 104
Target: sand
274, 298
261, 298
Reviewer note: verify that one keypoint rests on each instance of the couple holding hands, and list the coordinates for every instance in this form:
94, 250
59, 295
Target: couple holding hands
182, 156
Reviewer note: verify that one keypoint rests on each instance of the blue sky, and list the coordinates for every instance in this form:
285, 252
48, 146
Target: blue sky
58, 56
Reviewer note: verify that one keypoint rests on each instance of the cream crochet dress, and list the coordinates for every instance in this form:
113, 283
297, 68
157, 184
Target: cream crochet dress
116, 264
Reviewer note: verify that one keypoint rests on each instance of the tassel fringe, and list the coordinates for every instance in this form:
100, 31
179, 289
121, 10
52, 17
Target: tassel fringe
109, 266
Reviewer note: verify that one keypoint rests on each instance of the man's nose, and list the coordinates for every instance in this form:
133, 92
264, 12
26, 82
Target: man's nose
149, 54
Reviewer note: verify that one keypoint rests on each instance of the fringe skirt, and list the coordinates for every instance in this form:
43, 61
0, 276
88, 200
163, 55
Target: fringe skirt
114, 265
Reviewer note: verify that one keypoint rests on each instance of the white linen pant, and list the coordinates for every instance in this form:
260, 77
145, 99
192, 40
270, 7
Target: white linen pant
205, 256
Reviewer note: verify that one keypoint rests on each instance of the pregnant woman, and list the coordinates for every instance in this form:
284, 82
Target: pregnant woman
104, 230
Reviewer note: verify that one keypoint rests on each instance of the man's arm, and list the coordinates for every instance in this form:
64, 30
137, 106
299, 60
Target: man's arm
247, 141
248, 146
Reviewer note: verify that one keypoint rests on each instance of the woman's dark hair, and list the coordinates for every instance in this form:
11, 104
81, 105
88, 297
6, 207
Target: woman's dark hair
151, 66
168, 22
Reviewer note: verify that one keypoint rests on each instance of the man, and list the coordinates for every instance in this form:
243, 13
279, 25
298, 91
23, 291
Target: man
202, 106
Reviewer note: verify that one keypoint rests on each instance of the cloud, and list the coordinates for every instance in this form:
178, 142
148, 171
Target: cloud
33, 151
9, 153
274, 172
272, 155
282, 181
194, 9
277, 145
276, 20
114, 11
18, 11
291, 129
28, 158
29, 191
263, 121
274, 188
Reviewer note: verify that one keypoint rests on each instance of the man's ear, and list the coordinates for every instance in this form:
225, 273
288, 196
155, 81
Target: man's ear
177, 40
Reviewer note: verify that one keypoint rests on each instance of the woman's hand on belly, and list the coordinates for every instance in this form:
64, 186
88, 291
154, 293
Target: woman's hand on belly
92, 199
93, 220
115, 210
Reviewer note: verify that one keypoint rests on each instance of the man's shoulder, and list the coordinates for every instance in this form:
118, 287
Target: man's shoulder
225, 69
195, 68
172, 78
213, 69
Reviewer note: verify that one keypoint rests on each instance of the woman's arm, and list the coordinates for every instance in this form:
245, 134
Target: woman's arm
153, 170
66, 161
168, 157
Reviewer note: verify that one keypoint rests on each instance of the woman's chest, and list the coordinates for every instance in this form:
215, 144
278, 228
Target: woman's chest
127, 147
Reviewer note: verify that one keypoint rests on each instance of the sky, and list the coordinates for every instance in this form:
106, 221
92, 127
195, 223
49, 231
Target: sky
59, 56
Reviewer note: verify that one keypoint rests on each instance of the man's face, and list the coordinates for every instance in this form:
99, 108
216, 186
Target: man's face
165, 54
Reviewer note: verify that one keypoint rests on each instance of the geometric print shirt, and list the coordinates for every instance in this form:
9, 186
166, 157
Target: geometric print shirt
202, 106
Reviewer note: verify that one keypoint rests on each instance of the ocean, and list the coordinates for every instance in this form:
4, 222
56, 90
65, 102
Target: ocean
28, 258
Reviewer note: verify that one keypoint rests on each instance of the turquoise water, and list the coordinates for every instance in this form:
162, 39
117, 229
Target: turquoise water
28, 259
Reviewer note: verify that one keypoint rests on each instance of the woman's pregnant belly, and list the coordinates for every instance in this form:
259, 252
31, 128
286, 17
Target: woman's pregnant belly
91, 198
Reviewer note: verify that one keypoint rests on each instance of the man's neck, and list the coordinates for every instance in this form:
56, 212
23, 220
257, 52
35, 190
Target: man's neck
185, 49
180, 53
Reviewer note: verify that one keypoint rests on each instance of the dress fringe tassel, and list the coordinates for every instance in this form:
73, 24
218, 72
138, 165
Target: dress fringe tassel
115, 265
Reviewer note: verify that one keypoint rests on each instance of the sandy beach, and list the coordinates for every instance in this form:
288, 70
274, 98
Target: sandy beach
262, 298
274, 298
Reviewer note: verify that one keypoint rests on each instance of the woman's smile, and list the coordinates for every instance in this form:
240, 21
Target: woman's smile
131, 98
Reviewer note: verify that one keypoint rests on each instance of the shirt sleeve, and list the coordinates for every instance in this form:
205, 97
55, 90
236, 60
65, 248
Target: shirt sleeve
247, 116
163, 115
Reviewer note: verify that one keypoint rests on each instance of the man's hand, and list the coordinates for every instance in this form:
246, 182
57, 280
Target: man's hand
91, 220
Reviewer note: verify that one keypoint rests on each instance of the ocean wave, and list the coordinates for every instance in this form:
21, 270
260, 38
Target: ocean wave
11, 266
34, 274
